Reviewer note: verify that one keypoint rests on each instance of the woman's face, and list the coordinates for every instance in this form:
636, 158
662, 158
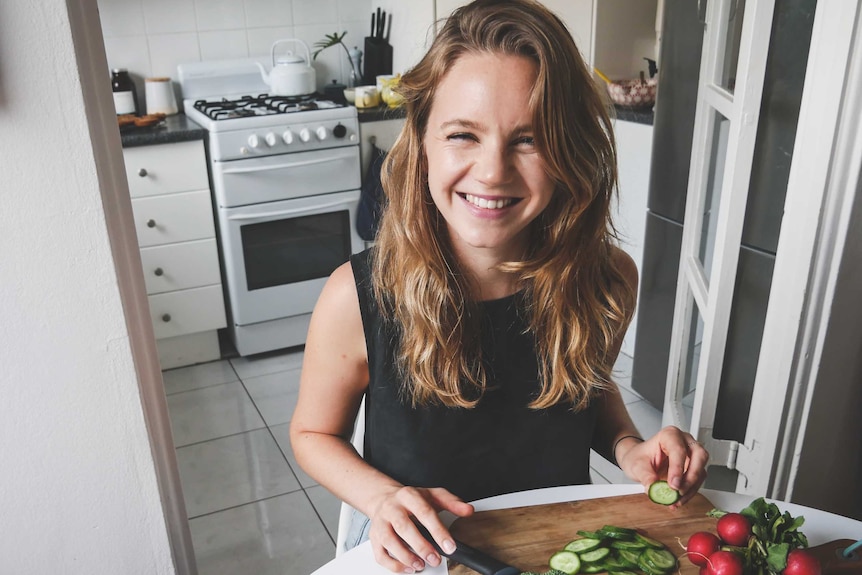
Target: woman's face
485, 174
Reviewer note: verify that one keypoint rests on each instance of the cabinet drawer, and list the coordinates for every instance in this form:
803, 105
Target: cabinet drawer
166, 168
175, 218
180, 266
187, 311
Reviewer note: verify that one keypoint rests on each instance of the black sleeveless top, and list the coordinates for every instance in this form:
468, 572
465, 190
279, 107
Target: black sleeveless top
500, 445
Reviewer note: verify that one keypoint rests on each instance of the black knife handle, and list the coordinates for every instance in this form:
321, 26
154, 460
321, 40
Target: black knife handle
473, 558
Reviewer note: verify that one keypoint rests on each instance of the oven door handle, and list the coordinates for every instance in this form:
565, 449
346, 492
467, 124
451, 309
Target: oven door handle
280, 213
289, 165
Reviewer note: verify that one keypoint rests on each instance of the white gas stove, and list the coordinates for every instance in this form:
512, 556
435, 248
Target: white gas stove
285, 177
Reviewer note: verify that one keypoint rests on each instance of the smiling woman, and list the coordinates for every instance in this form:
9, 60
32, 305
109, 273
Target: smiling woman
482, 328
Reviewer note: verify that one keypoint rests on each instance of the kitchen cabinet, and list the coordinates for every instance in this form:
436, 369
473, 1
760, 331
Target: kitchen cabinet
174, 222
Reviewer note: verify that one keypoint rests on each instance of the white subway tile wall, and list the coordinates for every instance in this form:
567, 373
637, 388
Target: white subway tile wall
150, 37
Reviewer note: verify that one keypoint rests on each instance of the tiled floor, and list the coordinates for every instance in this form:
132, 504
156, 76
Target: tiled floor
251, 508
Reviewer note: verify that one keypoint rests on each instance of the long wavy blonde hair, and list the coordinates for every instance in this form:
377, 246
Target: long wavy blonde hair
576, 300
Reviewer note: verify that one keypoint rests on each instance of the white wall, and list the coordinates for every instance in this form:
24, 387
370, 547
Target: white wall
150, 37
78, 489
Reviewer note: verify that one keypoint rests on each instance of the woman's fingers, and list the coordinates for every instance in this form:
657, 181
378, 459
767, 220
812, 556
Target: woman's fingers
397, 542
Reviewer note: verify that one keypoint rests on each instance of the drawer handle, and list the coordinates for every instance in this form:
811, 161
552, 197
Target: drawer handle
151, 223
142, 172
166, 317
159, 271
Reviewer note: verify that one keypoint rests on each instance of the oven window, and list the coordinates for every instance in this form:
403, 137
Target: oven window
295, 249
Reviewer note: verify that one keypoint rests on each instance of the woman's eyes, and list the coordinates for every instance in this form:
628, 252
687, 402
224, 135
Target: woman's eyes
465, 136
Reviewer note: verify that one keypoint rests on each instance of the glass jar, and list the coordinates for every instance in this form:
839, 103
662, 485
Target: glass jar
125, 95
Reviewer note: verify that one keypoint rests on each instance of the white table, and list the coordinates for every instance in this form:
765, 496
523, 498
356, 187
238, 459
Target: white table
819, 527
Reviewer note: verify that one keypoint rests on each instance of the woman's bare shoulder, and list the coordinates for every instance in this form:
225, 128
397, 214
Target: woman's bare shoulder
625, 265
337, 319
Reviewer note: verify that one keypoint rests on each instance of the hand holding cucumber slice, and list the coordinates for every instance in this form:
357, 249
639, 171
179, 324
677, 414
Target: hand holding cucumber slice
662, 493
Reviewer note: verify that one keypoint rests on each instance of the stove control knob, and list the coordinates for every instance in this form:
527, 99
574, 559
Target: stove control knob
287, 137
304, 135
253, 141
271, 139
321, 133
339, 131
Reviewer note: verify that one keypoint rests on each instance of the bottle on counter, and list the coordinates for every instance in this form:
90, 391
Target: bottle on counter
125, 95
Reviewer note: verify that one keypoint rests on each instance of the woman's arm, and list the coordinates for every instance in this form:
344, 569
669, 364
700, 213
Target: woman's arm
671, 453
333, 381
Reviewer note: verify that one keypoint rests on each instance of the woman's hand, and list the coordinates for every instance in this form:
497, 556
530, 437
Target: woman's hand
670, 454
397, 543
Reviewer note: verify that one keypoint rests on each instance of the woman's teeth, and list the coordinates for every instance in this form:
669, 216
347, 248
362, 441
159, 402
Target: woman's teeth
488, 204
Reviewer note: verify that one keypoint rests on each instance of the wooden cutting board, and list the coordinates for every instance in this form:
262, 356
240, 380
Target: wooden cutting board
526, 537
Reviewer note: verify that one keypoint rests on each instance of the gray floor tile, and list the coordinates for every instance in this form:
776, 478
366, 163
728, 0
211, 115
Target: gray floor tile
264, 364
281, 433
328, 507
274, 395
232, 471
277, 536
610, 472
646, 417
198, 376
211, 412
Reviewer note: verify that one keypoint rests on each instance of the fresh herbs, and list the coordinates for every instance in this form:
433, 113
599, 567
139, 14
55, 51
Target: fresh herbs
775, 535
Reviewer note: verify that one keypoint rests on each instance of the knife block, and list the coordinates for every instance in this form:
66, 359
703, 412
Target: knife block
378, 60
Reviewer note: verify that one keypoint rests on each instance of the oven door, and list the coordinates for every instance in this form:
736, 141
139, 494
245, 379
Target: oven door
278, 255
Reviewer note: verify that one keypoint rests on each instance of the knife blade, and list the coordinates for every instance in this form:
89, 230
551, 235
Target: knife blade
373, 28
476, 560
377, 32
388, 27
382, 24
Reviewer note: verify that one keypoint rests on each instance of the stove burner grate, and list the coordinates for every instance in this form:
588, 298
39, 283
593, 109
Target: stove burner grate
262, 105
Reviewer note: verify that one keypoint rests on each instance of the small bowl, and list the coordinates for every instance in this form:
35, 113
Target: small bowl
350, 95
633, 93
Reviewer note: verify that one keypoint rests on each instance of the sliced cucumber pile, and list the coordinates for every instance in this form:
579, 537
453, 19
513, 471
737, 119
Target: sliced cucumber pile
614, 550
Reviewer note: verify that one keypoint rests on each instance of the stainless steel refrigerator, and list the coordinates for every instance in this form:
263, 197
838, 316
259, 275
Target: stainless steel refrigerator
680, 55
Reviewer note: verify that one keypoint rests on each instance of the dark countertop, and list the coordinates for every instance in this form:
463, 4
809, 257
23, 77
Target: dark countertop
380, 113
636, 115
176, 128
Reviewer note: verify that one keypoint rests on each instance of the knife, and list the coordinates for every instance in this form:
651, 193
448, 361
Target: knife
379, 16
388, 27
476, 560
373, 28
382, 24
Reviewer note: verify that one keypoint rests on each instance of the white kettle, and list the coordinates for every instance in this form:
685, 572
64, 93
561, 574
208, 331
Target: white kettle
290, 75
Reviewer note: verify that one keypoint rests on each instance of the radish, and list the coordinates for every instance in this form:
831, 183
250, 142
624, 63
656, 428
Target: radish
724, 563
734, 529
700, 546
801, 562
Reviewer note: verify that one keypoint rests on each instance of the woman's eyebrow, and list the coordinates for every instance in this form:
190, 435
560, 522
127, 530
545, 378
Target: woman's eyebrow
461, 123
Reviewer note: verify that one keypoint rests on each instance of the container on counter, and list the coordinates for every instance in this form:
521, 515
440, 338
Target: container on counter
125, 95
160, 96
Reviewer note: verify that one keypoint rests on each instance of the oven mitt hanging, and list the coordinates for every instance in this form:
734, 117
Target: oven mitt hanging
371, 197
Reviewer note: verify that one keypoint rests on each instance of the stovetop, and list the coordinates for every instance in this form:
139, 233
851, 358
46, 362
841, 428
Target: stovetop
262, 105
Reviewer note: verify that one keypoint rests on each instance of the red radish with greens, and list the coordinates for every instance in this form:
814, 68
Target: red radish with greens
701, 546
801, 562
724, 563
734, 529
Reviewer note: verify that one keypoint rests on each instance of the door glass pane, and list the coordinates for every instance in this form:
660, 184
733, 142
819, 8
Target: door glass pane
734, 11
692, 361
295, 249
714, 181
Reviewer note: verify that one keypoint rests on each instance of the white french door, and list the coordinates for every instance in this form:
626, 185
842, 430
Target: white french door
733, 66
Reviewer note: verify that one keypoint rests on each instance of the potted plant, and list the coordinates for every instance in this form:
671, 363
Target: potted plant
353, 56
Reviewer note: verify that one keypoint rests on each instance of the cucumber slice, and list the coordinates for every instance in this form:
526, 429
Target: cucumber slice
566, 561
662, 559
662, 493
590, 534
594, 555
648, 541
614, 534
615, 565
630, 545
583, 545
627, 530
649, 567
628, 557
593, 568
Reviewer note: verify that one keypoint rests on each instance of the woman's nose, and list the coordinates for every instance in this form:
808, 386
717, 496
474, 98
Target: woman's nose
492, 167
